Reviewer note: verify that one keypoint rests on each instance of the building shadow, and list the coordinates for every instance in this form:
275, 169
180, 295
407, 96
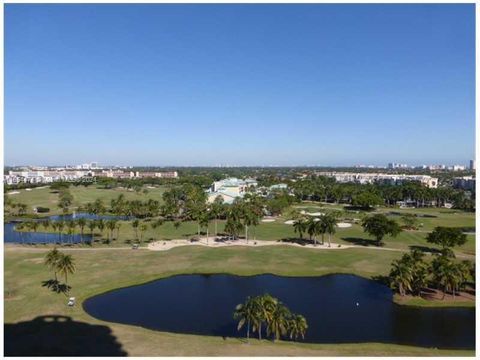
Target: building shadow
56, 335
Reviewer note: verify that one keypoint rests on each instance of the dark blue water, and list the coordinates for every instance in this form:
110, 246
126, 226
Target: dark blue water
204, 304
39, 237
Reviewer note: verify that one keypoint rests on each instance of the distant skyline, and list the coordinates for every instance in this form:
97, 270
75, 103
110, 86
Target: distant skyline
203, 85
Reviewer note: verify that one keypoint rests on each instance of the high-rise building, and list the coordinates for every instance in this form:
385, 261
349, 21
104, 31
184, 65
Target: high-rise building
472, 164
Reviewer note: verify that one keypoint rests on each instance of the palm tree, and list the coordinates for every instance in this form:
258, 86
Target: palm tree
51, 261
297, 326
143, 228
135, 224
92, 225
34, 225
300, 227
117, 227
401, 276
312, 229
446, 274
101, 226
82, 222
329, 223
277, 325
46, 224
71, 225
54, 226
250, 218
111, 224
265, 305
232, 227
65, 266
217, 210
246, 312
205, 221
60, 227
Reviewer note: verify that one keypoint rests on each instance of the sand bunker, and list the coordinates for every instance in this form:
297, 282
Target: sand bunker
268, 220
170, 244
13, 192
289, 222
344, 225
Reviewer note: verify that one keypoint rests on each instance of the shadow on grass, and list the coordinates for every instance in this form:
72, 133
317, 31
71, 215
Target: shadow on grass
291, 240
56, 286
425, 249
358, 208
360, 241
56, 335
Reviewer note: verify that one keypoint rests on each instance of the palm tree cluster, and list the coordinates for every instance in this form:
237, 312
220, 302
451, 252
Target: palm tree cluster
14, 208
324, 224
243, 214
69, 227
60, 263
268, 312
122, 207
412, 273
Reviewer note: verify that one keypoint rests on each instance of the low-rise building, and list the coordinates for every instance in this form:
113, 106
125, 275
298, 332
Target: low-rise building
229, 189
464, 182
379, 178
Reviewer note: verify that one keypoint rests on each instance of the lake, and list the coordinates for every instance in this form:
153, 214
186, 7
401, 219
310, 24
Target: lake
39, 237
204, 304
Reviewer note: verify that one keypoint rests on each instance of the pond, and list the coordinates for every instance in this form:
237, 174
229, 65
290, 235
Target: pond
39, 237
204, 304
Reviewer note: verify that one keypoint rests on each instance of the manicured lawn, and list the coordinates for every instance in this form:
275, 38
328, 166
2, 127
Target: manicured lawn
81, 195
102, 270
277, 231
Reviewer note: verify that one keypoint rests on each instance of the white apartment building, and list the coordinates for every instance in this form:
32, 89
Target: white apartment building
370, 178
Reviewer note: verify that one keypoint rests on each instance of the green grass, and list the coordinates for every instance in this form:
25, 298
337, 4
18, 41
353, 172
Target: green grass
418, 301
102, 270
81, 196
278, 230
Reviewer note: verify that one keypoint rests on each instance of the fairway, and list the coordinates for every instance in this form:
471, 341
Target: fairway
102, 270
82, 195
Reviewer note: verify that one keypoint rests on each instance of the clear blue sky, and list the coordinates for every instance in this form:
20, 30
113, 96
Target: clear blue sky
239, 84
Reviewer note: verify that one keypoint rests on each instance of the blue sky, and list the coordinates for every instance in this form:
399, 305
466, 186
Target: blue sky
239, 84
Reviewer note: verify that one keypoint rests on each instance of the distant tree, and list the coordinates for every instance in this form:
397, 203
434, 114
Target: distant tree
300, 227
217, 209
366, 200
82, 222
410, 221
92, 225
143, 228
447, 237
111, 225
379, 226
135, 225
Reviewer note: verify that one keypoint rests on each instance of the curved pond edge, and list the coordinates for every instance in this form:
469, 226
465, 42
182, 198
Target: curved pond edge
171, 275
